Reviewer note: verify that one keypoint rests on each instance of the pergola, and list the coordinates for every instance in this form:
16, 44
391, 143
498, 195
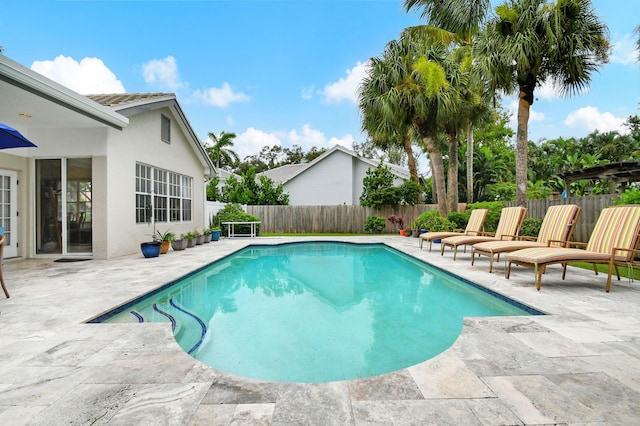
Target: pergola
622, 172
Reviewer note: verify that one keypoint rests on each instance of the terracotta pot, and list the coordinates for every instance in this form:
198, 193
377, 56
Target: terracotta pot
403, 232
165, 247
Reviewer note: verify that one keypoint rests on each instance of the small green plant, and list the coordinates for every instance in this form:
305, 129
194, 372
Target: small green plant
167, 236
197, 232
374, 224
189, 236
206, 231
214, 222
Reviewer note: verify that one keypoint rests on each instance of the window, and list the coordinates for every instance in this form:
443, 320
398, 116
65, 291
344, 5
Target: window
165, 128
171, 193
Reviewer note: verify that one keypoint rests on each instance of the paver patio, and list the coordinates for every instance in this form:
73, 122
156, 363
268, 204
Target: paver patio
580, 364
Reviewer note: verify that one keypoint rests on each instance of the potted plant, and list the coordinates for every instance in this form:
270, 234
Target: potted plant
206, 235
191, 239
151, 248
198, 237
399, 222
214, 225
166, 239
179, 243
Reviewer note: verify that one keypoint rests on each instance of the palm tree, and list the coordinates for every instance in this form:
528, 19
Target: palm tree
220, 152
399, 92
457, 22
530, 42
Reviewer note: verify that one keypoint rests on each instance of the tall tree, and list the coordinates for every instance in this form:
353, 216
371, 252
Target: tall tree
220, 151
408, 84
530, 42
457, 22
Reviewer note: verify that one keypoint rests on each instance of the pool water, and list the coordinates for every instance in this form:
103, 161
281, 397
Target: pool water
316, 312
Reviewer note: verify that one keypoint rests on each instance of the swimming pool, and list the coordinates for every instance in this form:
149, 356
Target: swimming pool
316, 311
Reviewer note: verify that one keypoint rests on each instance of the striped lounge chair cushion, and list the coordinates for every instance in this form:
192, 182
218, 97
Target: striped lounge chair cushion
557, 223
510, 221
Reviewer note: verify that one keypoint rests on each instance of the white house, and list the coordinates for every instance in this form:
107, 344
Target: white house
335, 177
105, 166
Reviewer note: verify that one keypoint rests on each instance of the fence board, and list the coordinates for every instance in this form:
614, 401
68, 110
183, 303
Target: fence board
351, 219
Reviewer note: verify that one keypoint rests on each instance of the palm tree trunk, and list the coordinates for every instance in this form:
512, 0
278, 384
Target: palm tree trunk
437, 165
522, 146
452, 175
411, 162
470, 143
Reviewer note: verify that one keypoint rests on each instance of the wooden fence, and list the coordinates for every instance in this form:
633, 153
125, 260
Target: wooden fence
351, 219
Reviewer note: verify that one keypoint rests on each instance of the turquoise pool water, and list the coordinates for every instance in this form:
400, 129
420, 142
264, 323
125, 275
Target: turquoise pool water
316, 312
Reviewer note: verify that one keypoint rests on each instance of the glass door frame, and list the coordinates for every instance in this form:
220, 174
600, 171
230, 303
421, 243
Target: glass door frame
62, 210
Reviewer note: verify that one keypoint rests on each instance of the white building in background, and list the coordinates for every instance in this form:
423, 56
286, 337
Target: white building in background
104, 166
335, 177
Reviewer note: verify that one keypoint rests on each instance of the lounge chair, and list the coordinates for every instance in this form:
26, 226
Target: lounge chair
614, 241
557, 227
4, 288
511, 219
474, 227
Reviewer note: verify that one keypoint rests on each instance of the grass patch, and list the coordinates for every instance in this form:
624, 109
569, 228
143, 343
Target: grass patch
604, 269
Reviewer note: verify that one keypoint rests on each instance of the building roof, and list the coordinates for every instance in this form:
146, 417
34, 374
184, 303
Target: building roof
130, 104
286, 173
46, 103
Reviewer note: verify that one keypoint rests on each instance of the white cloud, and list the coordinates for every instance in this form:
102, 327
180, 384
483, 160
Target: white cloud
624, 50
230, 121
163, 73
512, 110
89, 76
346, 88
547, 91
221, 97
307, 92
591, 119
252, 140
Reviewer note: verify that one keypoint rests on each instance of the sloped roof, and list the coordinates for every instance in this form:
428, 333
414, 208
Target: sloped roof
129, 104
286, 173
119, 99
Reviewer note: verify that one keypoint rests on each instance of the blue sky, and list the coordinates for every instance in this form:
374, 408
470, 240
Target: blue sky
273, 72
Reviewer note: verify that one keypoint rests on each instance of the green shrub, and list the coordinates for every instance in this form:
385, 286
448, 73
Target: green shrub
459, 220
531, 227
374, 224
233, 213
630, 196
432, 221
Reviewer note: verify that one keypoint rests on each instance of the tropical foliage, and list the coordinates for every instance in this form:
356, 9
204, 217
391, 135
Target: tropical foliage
379, 190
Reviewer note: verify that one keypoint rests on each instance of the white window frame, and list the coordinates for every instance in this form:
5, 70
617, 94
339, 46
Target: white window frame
162, 196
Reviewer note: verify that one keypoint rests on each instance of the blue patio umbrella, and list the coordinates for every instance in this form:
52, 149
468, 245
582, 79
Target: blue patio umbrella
11, 138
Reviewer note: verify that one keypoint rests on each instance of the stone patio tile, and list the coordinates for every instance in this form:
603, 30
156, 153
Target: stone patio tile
614, 403
252, 415
144, 367
491, 411
584, 332
67, 353
551, 344
40, 385
419, 413
228, 389
537, 400
93, 404
213, 415
16, 415
447, 376
324, 404
161, 404
392, 386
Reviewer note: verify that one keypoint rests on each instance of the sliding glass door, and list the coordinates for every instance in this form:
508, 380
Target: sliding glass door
64, 218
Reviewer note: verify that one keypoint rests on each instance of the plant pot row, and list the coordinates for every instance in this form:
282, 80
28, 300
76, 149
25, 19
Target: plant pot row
156, 248
183, 243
